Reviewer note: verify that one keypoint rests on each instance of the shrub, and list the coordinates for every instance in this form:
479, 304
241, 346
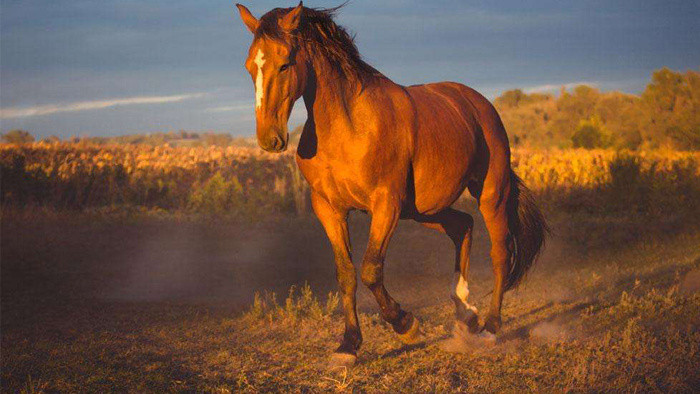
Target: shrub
17, 137
217, 195
297, 306
633, 187
591, 134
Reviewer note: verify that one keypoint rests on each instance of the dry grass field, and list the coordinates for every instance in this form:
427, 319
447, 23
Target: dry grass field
238, 181
154, 305
171, 289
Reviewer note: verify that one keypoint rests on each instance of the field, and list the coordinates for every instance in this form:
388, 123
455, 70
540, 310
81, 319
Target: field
239, 181
136, 268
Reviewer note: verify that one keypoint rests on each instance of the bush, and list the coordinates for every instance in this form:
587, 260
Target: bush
591, 134
217, 195
685, 139
17, 137
650, 190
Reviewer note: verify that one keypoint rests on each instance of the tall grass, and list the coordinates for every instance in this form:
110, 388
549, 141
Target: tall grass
638, 183
298, 305
245, 181
213, 180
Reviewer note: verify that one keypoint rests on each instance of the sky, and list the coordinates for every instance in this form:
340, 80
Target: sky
113, 67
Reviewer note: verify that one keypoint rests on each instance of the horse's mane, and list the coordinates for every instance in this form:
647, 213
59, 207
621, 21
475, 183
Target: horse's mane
321, 36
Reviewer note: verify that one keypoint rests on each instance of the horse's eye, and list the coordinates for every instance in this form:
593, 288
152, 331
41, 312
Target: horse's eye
284, 67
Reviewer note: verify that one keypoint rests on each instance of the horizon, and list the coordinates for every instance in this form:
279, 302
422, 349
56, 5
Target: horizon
117, 68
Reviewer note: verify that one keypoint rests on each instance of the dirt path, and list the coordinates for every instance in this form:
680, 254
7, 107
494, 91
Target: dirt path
156, 306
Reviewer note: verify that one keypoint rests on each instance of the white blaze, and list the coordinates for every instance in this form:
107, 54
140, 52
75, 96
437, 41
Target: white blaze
462, 292
259, 61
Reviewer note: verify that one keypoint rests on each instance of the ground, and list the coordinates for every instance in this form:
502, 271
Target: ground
153, 304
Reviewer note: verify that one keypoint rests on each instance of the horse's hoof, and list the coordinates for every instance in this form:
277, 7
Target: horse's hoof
412, 336
492, 324
487, 337
346, 360
472, 323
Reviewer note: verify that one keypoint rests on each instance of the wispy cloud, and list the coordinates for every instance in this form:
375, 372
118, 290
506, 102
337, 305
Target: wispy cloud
22, 112
555, 87
227, 108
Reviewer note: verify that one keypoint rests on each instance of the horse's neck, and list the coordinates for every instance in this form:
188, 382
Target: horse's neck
329, 100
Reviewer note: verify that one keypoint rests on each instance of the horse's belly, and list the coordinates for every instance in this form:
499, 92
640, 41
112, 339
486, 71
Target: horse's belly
433, 194
442, 166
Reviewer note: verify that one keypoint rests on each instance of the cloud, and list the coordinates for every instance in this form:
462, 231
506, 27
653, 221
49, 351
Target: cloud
22, 112
226, 108
555, 87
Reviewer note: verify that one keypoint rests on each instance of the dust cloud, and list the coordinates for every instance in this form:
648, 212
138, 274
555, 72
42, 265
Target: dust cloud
223, 262
690, 283
169, 260
549, 332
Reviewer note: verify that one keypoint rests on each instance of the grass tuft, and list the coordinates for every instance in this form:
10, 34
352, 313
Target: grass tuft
299, 305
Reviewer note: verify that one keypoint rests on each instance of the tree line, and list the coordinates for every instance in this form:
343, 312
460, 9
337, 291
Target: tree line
665, 114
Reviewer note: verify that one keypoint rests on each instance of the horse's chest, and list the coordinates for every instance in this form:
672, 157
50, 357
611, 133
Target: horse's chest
338, 182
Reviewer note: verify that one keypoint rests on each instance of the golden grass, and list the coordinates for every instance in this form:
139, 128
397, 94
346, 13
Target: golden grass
566, 169
81, 175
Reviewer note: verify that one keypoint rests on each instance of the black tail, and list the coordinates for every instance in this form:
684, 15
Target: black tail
528, 230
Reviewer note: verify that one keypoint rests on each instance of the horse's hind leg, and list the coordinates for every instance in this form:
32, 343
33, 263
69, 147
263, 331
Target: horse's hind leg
384, 220
458, 226
493, 205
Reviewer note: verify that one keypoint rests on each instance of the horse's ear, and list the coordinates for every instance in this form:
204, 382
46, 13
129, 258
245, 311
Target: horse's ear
290, 21
250, 21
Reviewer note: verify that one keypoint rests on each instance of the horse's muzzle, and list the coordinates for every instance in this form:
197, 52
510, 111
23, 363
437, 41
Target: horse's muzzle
274, 143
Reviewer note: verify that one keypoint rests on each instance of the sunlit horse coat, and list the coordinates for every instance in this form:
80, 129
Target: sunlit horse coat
393, 151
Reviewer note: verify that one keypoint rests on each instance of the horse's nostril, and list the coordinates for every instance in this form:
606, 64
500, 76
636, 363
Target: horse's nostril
276, 142
273, 143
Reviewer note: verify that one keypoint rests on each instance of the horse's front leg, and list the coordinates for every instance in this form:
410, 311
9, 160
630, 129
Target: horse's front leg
385, 217
334, 221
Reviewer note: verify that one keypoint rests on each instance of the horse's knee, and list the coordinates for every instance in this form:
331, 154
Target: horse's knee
371, 274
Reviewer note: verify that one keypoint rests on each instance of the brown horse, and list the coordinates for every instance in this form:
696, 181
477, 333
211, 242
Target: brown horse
397, 152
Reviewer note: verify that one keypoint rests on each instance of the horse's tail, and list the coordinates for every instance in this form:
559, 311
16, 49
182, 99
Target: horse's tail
528, 230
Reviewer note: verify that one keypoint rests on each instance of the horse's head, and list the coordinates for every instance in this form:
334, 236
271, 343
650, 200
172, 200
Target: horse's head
278, 72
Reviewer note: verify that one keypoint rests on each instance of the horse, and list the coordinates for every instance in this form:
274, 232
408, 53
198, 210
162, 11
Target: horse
394, 152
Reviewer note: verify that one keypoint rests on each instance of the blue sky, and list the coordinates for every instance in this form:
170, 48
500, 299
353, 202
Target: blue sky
109, 67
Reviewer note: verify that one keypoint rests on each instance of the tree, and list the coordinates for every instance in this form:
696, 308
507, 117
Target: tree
510, 98
571, 109
672, 108
17, 137
685, 138
591, 134
621, 114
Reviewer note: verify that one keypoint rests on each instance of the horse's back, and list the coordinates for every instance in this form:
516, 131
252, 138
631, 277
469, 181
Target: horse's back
458, 135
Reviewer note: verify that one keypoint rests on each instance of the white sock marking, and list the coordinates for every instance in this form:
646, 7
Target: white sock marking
462, 292
259, 61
